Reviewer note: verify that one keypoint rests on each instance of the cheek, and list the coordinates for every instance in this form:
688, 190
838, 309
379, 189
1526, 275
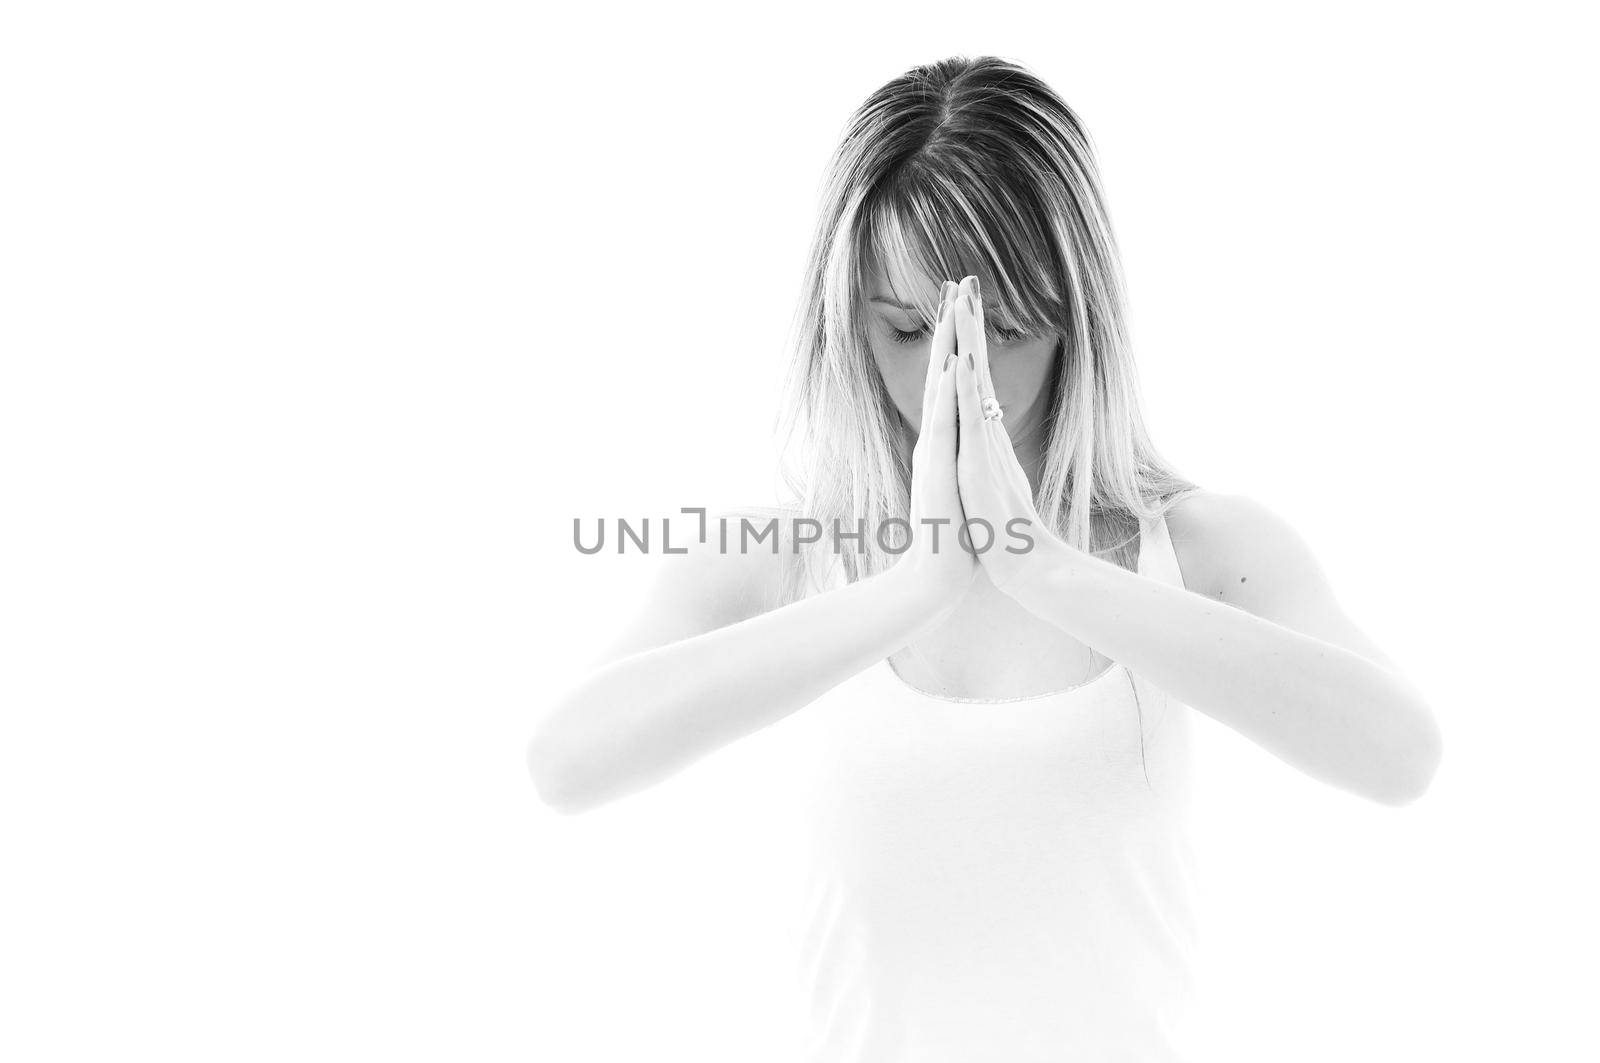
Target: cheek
904, 371
1022, 375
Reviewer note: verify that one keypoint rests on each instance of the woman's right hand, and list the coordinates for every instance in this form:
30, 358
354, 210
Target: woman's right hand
711, 660
936, 559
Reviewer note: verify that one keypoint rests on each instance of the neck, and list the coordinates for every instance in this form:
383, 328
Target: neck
1029, 444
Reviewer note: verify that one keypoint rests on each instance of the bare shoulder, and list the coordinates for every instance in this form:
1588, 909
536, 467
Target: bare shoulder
1234, 548
734, 565
745, 553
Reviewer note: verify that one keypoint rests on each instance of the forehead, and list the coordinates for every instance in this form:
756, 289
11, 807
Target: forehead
899, 286
893, 282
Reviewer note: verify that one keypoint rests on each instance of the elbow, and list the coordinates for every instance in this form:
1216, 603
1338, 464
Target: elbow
555, 790
1412, 766
560, 786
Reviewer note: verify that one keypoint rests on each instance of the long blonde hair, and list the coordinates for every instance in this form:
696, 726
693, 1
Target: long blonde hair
969, 166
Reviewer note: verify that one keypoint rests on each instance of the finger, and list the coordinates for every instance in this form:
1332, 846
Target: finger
1003, 463
944, 337
942, 425
941, 345
968, 403
968, 338
969, 325
1003, 454
981, 352
930, 382
975, 337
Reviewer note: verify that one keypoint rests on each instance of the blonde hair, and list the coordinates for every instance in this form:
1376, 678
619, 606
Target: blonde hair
969, 166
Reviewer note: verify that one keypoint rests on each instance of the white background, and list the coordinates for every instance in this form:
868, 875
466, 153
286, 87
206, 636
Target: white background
322, 321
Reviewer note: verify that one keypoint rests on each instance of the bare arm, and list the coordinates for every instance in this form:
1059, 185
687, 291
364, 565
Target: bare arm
710, 662
1254, 638
642, 718
1259, 644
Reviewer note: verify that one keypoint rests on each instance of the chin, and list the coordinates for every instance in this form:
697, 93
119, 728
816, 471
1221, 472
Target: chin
1019, 413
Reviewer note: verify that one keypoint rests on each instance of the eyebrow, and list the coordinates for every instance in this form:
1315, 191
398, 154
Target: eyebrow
993, 314
891, 302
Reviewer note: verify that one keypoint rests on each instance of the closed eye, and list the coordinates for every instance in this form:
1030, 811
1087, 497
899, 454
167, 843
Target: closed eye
1004, 335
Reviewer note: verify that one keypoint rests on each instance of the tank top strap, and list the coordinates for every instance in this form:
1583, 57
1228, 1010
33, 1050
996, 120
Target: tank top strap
1159, 714
1157, 557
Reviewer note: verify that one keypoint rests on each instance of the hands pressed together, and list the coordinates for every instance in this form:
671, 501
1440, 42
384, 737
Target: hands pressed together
971, 503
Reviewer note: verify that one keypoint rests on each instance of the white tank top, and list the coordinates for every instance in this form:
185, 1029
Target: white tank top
998, 880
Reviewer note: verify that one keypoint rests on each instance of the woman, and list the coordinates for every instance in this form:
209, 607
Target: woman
998, 719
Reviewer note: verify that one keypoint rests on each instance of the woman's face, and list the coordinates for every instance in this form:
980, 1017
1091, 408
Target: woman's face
1022, 365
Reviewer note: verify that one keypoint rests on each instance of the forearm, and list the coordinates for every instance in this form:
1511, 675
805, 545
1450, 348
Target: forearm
1330, 712
643, 718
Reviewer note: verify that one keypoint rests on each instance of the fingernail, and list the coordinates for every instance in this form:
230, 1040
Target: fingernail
976, 291
949, 360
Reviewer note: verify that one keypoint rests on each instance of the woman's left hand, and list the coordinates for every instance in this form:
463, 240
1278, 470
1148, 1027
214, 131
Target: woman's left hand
994, 488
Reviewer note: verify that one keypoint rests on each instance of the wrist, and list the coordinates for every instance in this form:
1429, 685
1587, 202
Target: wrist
1028, 573
924, 589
